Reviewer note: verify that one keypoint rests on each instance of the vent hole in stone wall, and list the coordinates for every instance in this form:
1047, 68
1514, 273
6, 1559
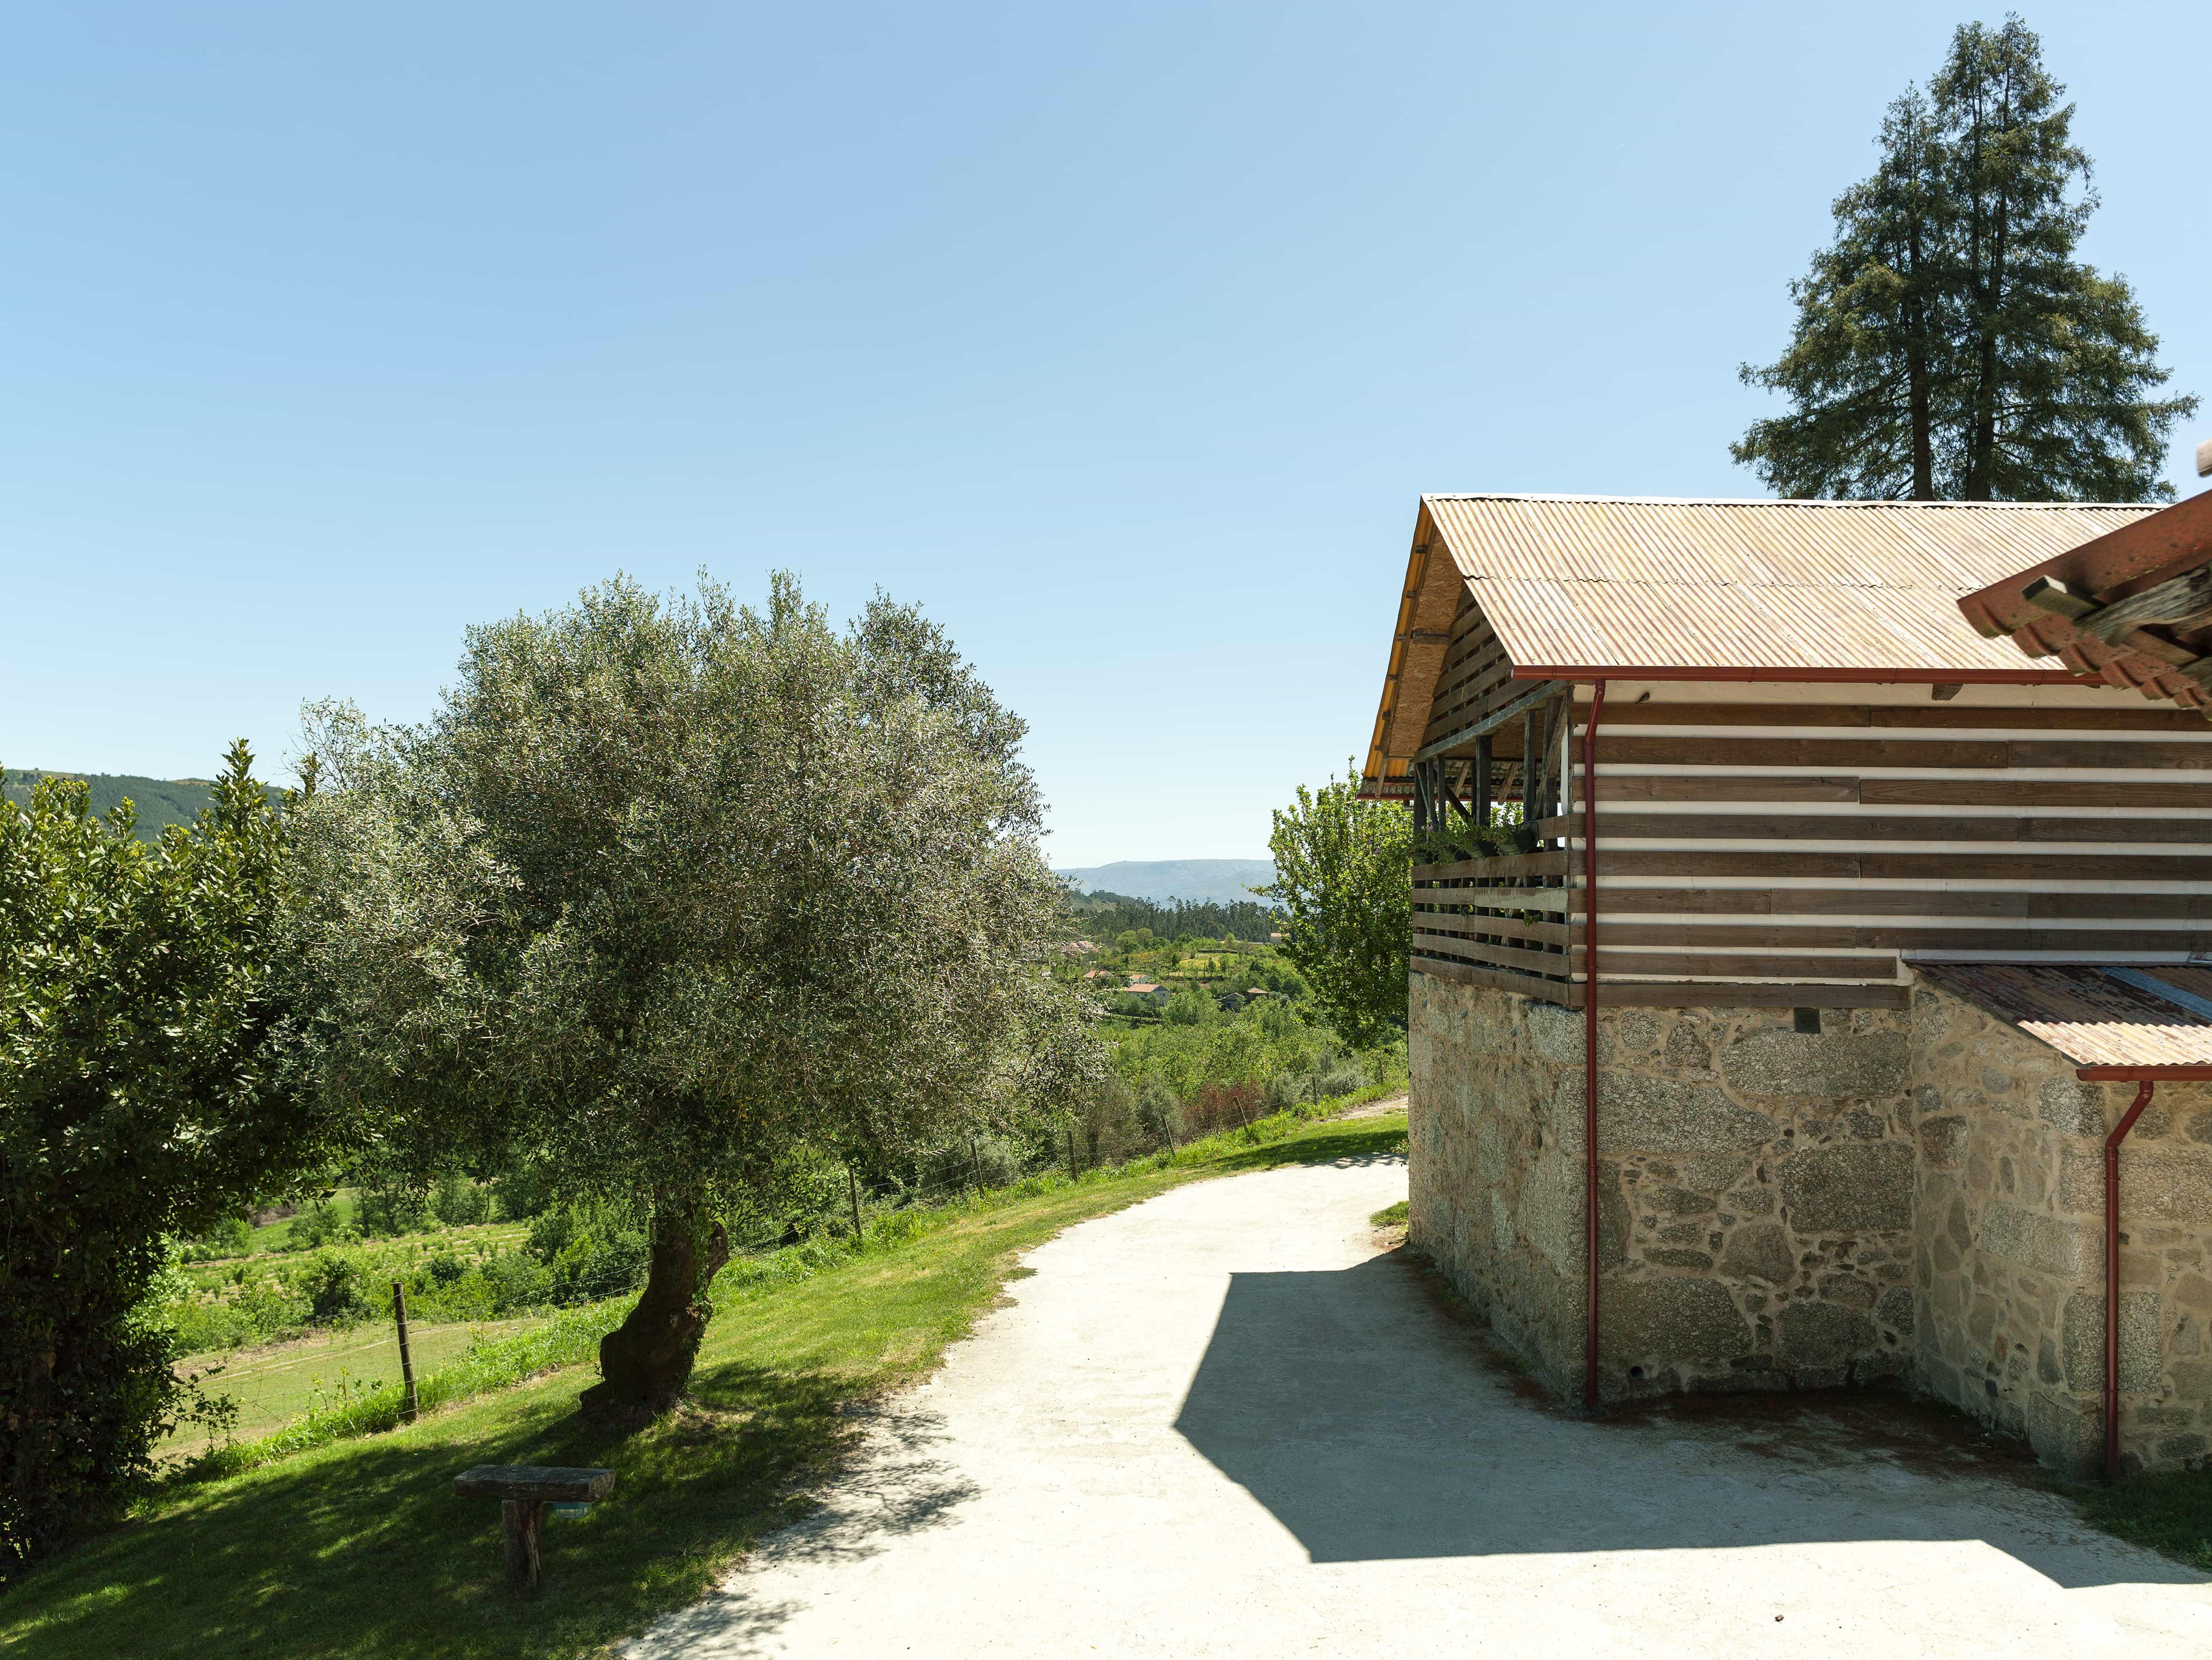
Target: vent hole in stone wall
1805, 1019
1636, 1372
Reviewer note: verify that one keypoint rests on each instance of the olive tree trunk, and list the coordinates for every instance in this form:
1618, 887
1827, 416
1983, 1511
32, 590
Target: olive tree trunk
645, 1361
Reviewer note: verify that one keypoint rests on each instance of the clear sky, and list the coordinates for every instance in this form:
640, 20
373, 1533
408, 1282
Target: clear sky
1120, 338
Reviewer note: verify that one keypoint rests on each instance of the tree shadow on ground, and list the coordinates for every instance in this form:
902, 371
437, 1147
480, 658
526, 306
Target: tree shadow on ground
371, 1554
1373, 1429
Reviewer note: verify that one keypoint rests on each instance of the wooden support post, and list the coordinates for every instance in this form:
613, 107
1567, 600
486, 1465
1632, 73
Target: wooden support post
526, 1520
412, 1404
1480, 806
1532, 764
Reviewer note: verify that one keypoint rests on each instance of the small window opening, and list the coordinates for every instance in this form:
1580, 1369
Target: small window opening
1805, 1019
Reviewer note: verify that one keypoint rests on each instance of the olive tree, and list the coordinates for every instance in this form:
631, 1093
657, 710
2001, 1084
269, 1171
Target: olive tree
669, 890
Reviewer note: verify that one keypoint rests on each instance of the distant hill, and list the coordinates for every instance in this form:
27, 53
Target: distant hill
160, 801
1217, 881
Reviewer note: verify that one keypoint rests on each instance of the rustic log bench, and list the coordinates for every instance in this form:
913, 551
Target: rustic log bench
525, 1491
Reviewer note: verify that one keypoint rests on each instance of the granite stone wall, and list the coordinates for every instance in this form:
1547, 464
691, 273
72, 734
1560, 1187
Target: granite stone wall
1755, 1205
2009, 1249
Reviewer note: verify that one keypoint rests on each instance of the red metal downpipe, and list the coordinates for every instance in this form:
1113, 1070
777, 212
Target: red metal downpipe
1589, 1041
2112, 1277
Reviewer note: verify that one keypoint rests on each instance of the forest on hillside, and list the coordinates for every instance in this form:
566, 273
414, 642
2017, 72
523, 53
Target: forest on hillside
159, 802
1108, 915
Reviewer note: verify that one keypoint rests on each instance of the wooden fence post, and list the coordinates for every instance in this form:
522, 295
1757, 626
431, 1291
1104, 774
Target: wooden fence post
406, 1361
852, 1182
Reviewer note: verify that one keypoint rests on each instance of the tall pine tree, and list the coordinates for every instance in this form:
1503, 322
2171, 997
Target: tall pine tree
1948, 345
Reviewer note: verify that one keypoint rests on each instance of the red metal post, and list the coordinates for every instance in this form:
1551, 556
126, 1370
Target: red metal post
1589, 1041
2112, 1277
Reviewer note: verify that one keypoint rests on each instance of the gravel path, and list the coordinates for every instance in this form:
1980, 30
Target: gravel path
1225, 1422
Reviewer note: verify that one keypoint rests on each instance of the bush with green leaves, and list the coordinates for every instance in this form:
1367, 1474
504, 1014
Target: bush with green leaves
459, 1202
1344, 878
231, 1237
522, 1190
145, 1094
317, 1223
392, 1206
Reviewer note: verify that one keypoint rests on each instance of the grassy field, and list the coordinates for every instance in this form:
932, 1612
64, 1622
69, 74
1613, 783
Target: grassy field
277, 1384
359, 1548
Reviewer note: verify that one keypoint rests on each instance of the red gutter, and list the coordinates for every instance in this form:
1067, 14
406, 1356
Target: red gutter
1589, 1041
1813, 677
2145, 1085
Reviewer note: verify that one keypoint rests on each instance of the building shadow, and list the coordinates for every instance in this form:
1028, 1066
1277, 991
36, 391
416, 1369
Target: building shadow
1373, 1426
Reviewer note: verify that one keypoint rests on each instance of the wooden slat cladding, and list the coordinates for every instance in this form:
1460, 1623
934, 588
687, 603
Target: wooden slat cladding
1784, 826
2137, 795
1939, 717
1953, 751
1787, 854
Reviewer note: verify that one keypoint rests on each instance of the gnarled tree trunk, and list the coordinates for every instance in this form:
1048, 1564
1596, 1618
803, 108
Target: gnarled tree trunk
645, 1362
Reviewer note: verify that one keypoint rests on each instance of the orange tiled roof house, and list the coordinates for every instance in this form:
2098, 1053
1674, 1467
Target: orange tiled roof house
1893, 930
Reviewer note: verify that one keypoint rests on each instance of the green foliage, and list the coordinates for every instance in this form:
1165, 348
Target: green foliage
2169, 1511
155, 803
1134, 923
459, 1202
392, 1205
522, 1190
1189, 1007
143, 1095
319, 1222
1948, 343
337, 1291
668, 887
231, 1237
1344, 878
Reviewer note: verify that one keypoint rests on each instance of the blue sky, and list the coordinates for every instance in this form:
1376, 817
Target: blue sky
1122, 339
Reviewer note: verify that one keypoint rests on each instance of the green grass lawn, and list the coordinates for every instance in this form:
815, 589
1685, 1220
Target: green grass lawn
359, 1548
275, 1385
2170, 1512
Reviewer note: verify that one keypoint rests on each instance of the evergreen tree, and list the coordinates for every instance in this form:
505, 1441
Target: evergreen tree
1948, 344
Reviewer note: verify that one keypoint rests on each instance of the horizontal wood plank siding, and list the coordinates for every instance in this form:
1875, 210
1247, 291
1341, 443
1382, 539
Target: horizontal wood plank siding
1788, 854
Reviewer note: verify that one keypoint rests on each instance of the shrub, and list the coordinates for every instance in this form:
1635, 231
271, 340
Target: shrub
317, 1224
231, 1237
444, 1268
336, 1288
550, 1232
457, 1201
142, 1099
522, 1190
392, 1206
596, 1265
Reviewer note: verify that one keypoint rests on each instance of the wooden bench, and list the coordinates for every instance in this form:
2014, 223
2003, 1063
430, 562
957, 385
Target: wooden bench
524, 1492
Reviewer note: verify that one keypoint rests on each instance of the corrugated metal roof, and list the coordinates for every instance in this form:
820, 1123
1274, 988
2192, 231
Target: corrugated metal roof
2093, 1015
1615, 583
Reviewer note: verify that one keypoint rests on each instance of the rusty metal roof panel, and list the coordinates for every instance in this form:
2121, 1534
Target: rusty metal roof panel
1618, 583
2095, 1015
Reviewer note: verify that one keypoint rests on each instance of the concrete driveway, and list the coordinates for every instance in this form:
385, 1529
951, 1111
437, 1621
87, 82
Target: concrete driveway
1225, 1423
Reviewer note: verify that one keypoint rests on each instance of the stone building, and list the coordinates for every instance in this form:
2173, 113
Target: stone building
1893, 930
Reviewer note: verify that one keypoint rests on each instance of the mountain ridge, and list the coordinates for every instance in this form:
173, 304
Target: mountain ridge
1215, 881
